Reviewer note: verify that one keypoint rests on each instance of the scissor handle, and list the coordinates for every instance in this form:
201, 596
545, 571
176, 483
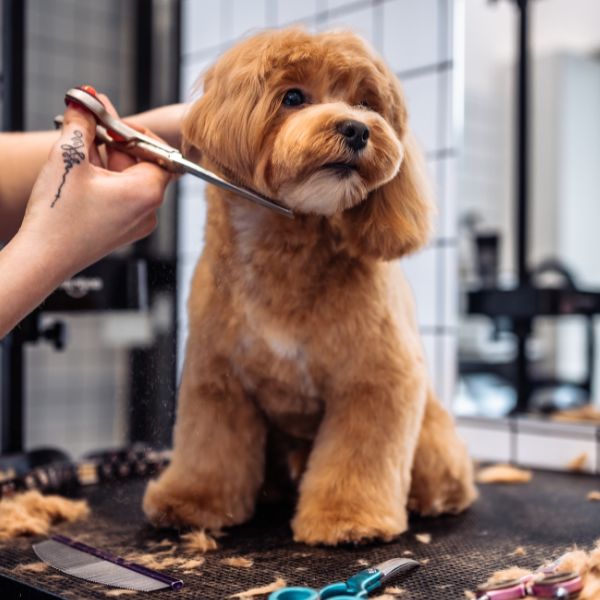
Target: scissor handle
508, 589
358, 586
295, 593
568, 584
115, 132
86, 98
118, 135
335, 591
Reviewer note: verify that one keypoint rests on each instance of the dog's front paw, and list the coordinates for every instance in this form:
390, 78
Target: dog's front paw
452, 499
167, 505
314, 526
443, 488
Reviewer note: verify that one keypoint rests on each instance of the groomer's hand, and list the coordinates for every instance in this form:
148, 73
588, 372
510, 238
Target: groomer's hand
78, 211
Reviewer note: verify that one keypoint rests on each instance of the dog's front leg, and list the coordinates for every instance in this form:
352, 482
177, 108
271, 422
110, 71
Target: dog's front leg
218, 457
442, 476
358, 477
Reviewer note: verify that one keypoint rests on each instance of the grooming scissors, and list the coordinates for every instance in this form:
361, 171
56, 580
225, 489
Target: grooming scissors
358, 586
546, 582
115, 133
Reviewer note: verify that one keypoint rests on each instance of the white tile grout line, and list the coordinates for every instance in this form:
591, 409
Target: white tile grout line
322, 15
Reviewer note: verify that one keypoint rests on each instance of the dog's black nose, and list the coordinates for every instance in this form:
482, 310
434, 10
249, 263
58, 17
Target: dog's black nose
355, 134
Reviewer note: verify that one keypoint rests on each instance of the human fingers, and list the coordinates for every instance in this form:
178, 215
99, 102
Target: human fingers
79, 129
144, 183
71, 152
141, 229
95, 157
110, 107
150, 134
147, 225
115, 160
118, 161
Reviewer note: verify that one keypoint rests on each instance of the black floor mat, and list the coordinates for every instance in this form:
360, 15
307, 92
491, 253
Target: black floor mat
545, 517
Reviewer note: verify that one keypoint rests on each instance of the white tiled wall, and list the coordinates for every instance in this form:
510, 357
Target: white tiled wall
410, 34
361, 20
416, 38
290, 12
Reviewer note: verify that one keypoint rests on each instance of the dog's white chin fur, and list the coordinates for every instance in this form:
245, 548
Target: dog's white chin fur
324, 193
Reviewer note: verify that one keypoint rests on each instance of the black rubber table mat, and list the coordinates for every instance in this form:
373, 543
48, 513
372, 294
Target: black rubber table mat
545, 517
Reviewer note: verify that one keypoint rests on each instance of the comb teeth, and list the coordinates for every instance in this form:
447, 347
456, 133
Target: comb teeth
91, 568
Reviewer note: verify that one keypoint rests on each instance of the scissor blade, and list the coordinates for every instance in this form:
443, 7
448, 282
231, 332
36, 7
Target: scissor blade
396, 566
189, 167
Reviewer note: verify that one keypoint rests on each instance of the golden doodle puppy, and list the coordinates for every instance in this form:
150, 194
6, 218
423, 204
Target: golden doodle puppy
302, 331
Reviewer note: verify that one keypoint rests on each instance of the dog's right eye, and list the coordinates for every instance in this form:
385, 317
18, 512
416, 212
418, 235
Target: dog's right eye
294, 98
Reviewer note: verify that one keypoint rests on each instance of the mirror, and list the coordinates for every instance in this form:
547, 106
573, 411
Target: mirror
529, 276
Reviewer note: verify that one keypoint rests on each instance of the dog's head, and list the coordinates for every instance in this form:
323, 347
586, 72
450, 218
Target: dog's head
318, 122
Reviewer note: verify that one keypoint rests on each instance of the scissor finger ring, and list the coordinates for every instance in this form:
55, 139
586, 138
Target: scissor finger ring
558, 585
507, 589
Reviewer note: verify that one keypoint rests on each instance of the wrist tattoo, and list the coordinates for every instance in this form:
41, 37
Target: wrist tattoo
72, 155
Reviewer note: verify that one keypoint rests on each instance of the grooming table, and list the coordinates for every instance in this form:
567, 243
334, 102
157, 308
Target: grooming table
545, 517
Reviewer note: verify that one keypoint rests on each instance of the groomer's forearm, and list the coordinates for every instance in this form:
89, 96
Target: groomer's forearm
22, 156
164, 121
29, 272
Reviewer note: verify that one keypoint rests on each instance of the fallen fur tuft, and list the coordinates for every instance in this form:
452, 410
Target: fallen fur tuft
32, 513
199, 541
503, 474
262, 590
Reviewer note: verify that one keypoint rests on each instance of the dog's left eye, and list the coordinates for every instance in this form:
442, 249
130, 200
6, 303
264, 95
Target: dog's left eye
365, 104
294, 98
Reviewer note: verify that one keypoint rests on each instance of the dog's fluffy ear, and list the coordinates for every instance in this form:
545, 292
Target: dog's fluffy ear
396, 218
194, 127
226, 122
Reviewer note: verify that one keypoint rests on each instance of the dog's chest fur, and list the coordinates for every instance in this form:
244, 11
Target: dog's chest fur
295, 294
274, 368
281, 286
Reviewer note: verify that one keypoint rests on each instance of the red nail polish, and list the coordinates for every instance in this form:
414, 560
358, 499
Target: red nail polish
89, 89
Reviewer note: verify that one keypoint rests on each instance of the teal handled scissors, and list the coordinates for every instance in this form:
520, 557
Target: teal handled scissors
358, 586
